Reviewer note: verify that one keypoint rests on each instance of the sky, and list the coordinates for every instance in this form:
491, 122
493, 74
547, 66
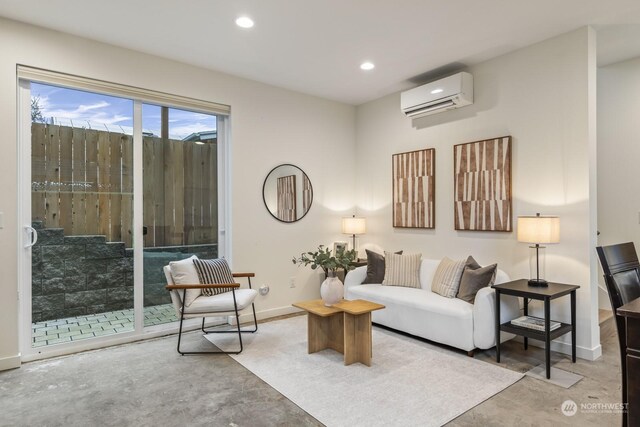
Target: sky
86, 109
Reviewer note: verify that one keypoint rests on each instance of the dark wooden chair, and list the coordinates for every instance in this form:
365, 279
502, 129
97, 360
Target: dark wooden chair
622, 277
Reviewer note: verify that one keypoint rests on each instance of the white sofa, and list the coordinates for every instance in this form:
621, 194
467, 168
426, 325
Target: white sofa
423, 313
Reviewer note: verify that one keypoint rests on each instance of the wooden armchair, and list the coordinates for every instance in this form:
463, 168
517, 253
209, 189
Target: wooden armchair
224, 304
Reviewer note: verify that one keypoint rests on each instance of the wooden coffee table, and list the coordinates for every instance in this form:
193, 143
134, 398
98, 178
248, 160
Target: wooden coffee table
344, 327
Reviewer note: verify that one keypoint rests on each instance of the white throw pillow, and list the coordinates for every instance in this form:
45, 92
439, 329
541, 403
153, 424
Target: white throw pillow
402, 270
184, 272
446, 279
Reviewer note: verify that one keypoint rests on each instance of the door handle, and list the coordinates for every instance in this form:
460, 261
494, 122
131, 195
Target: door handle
34, 236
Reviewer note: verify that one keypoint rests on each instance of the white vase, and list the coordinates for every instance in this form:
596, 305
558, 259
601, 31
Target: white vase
331, 290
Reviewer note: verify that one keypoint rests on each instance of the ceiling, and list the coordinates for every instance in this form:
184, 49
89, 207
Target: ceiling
316, 47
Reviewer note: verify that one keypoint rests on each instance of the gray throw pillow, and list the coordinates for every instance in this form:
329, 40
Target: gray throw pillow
475, 278
375, 267
472, 263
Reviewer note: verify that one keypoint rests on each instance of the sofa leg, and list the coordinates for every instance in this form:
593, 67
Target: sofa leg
470, 353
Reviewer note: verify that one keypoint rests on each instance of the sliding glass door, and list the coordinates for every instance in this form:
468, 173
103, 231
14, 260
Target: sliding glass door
114, 190
180, 198
82, 283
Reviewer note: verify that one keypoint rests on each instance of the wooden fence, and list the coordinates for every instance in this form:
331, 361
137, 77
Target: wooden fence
82, 181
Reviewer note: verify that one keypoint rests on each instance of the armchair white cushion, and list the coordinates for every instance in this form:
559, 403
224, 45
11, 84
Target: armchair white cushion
183, 272
221, 303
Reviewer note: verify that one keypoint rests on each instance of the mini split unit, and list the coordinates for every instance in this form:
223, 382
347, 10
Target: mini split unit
445, 94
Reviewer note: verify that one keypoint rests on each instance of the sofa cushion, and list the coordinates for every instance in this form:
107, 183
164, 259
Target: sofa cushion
446, 280
410, 297
402, 270
375, 267
425, 314
474, 279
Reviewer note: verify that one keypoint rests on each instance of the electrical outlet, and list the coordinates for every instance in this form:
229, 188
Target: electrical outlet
292, 282
264, 289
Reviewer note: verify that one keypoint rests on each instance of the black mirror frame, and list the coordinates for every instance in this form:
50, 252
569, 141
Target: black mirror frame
264, 184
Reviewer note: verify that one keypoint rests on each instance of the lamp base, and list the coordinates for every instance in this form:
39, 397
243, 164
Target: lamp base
538, 283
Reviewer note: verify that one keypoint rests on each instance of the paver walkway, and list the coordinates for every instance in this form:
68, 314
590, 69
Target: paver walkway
96, 325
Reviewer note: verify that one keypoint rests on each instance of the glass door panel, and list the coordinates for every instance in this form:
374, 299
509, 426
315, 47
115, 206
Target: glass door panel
180, 198
82, 208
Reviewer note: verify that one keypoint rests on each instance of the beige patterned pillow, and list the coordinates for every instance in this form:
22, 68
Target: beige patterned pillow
446, 279
402, 270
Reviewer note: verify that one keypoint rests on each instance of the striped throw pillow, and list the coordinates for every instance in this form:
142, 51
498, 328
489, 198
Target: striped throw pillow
402, 270
213, 272
446, 279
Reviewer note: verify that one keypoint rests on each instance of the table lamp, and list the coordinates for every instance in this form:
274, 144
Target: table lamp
538, 230
354, 226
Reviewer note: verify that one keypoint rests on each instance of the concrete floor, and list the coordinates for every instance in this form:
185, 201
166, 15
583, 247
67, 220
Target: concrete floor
143, 384
148, 383
532, 402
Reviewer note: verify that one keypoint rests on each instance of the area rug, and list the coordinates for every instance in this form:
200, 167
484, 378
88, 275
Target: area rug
410, 382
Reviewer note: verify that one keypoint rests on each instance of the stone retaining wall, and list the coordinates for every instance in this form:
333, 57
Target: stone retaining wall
79, 275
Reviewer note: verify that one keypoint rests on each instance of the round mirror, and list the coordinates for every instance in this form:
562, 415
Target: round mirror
287, 193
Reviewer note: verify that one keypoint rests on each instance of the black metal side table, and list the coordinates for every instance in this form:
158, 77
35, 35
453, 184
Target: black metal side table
520, 288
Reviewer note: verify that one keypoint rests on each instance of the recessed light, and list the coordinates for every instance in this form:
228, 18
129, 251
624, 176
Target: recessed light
244, 22
367, 66
433, 92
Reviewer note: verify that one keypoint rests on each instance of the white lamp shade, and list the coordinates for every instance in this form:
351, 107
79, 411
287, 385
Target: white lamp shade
539, 229
354, 225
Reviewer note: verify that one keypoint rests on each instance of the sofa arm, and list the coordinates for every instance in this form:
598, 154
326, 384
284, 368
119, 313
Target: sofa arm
355, 277
484, 317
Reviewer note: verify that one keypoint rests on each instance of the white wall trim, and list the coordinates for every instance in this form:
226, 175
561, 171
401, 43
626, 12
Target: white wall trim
247, 316
99, 86
589, 354
10, 362
582, 352
24, 215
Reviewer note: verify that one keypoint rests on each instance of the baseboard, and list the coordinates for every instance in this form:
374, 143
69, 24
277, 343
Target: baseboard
589, 354
247, 316
10, 362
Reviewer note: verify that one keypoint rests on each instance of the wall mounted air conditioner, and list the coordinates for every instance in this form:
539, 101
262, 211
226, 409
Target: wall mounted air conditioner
445, 94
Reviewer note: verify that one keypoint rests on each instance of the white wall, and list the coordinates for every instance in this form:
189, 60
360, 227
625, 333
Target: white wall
618, 154
542, 95
269, 126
